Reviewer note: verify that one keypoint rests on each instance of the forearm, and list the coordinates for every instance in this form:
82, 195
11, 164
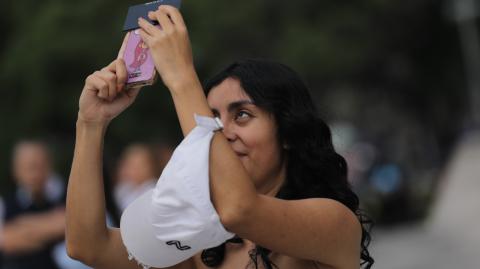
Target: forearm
51, 225
12, 246
18, 240
41, 228
85, 209
232, 191
189, 99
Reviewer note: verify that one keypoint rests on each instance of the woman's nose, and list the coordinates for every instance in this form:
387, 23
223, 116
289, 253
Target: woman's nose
228, 131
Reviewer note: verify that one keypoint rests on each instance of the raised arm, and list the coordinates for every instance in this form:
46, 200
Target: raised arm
321, 230
87, 237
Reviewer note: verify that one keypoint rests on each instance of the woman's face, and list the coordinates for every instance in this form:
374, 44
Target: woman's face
252, 133
136, 166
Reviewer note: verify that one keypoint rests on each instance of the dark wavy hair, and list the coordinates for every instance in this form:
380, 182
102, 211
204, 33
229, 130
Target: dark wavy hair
314, 169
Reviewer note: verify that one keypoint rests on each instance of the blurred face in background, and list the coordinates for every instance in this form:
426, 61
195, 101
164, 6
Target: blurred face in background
31, 166
137, 165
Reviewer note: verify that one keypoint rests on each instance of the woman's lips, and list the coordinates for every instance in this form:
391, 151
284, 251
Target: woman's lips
240, 154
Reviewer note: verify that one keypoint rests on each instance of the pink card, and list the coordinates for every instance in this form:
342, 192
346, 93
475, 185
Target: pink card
139, 62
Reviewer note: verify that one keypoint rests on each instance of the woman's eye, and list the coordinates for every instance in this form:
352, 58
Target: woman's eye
242, 116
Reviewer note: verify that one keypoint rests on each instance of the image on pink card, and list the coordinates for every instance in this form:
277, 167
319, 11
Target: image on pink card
139, 62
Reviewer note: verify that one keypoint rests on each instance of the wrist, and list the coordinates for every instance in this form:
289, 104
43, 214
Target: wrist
186, 81
91, 126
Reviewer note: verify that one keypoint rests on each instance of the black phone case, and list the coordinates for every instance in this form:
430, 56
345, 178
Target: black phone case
137, 11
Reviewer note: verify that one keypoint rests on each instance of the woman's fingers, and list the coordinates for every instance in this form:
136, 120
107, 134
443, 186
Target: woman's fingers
104, 95
96, 83
121, 74
163, 20
119, 70
111, 80
169, 46
174, 15
145, 37
101, 85
127, 97
149, 28
169, 19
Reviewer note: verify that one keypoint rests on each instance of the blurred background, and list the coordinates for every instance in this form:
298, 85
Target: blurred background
398, 82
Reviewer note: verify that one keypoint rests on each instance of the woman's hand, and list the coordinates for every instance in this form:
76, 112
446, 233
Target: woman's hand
169, 45
104, 95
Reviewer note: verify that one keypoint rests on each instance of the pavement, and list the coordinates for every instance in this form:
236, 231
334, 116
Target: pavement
450, 237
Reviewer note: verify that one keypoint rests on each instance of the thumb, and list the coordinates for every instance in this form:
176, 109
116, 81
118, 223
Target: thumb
133, 92
127, 97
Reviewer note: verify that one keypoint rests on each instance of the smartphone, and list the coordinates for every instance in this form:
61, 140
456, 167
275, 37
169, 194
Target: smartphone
140, 67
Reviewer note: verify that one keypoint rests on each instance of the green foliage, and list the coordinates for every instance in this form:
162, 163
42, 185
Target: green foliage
50, 47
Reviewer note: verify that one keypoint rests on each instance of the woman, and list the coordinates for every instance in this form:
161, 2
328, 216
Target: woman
275, 179
136, 173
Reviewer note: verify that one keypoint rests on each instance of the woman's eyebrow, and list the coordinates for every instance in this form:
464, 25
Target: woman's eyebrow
235, 105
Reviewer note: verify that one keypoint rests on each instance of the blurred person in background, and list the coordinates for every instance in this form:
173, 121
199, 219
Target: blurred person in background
137, 173
163, 152
34, 216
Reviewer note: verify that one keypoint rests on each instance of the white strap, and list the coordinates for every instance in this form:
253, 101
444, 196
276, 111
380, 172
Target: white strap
213, 124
